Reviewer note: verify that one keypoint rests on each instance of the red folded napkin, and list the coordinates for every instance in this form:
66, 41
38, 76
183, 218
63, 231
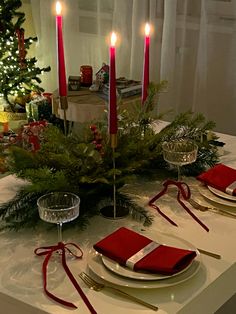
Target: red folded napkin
220, 177
124, 243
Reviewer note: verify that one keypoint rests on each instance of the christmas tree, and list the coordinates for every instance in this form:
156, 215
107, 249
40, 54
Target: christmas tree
19, 75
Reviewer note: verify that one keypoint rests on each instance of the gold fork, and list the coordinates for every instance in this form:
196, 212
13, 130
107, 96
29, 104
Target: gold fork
97, 286
204, 208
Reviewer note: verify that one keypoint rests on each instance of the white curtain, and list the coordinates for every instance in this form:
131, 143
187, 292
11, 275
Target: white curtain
193, 46
199, 59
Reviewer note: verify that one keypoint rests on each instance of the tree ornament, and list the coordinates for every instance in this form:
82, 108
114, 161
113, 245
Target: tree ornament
21, 46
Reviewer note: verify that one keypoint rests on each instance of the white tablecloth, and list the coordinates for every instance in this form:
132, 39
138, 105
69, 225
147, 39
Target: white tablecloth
20, 278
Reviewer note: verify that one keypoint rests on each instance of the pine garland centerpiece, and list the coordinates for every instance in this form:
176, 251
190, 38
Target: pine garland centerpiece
82, 163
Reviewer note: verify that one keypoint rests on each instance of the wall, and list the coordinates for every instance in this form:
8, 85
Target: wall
28, 24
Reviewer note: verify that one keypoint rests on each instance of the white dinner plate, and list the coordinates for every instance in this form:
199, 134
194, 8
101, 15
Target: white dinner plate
95, 263
129, 273
214, 198
222, 194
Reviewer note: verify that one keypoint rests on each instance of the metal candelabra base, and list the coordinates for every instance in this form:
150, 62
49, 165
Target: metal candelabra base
109, 213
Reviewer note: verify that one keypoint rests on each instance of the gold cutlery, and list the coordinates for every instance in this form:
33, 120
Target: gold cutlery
97, 286
217, 256
204, 208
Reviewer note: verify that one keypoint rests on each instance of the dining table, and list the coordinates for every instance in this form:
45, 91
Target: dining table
204, 289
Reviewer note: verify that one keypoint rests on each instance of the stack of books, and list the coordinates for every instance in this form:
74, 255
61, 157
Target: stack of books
125, 88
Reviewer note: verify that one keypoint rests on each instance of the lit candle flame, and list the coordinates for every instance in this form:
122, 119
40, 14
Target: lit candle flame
147, 29
113, 39
58, 8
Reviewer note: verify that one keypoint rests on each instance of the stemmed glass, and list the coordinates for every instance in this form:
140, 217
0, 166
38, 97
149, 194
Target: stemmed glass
59, 208
180, 153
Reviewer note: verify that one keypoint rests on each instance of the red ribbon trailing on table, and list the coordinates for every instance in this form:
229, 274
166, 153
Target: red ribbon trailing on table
184, 191
48, 251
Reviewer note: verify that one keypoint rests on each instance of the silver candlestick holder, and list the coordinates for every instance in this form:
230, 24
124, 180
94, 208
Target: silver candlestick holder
114, 211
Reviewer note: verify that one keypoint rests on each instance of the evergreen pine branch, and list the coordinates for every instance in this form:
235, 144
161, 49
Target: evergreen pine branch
137, 212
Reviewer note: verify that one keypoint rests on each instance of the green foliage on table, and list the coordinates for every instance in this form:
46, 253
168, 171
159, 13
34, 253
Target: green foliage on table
72, 163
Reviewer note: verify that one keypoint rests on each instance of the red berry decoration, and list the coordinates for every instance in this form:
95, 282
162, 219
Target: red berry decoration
93, 127
97, 139
99, 147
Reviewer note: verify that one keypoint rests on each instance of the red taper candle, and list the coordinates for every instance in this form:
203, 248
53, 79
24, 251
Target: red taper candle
112, 87
60, 53
145, 81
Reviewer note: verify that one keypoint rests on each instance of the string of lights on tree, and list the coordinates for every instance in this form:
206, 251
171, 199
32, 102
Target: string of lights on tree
19, 75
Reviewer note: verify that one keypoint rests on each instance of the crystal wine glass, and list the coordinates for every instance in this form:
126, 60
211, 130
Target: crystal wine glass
180, 153
59, 208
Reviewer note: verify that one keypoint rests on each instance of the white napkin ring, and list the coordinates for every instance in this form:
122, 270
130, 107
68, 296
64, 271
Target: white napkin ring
230, 188
141, 254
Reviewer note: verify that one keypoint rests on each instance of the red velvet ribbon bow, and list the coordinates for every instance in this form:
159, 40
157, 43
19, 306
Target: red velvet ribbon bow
62, 248
184, 192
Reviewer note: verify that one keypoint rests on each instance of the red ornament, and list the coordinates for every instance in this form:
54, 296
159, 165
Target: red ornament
21, 46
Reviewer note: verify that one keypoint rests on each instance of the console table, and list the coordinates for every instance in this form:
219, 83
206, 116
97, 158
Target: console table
84, 105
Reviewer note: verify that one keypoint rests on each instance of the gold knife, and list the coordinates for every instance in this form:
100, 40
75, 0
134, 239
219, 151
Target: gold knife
222, 212
217, 256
